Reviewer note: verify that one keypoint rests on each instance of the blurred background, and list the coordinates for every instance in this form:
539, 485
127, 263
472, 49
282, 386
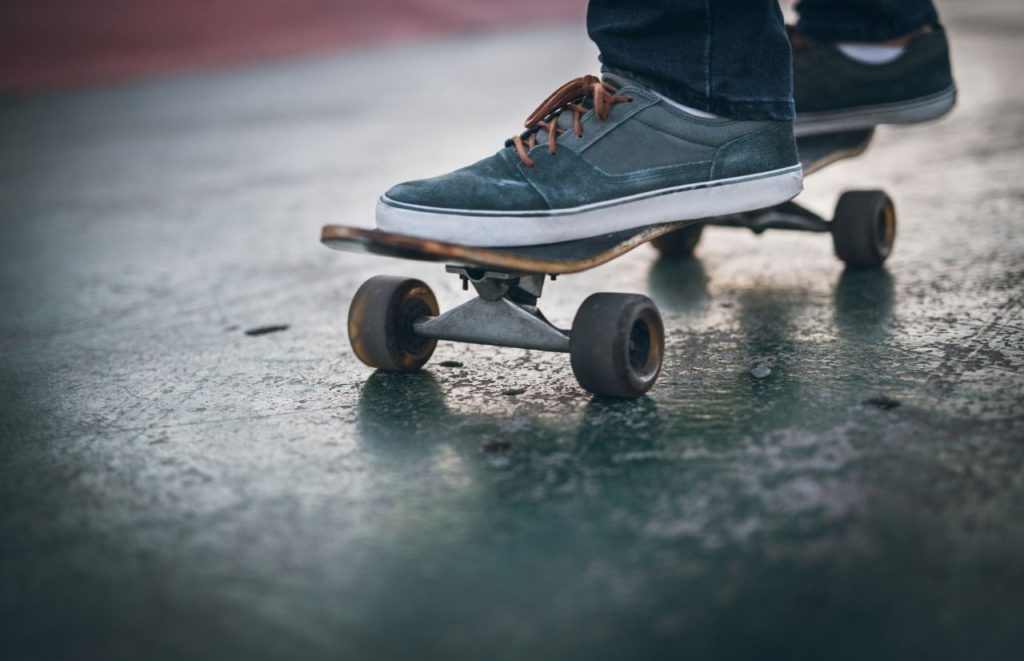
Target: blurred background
48, 44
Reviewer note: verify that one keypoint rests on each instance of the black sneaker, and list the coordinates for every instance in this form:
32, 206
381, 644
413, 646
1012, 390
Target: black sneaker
834, 92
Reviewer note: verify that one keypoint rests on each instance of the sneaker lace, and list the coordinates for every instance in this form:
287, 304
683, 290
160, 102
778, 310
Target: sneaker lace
569, 96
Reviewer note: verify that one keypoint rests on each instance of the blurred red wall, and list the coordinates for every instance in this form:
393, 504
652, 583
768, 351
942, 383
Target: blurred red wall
49, 44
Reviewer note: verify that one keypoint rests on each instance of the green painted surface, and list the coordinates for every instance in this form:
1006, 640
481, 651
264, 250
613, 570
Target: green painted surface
173, 488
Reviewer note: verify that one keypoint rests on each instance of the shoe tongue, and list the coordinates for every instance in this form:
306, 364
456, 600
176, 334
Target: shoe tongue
564, 122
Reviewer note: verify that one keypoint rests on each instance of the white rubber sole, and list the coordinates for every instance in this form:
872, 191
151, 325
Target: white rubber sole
911, 112
500, 229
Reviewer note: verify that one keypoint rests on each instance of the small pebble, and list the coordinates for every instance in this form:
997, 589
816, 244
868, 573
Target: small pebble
882, 402
450, 363
496, 445
513, 391
760, 371
263, 330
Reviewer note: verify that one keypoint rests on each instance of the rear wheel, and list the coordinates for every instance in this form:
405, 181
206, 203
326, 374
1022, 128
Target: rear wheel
864, 228
681, 242
380, 323
617, 344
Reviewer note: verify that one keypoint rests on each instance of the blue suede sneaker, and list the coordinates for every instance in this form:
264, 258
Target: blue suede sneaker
599, 157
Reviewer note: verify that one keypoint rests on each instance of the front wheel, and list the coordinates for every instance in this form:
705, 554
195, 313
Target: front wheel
617, 344
864, 228
380, 323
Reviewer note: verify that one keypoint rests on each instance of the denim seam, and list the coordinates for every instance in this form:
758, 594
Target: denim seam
707, 57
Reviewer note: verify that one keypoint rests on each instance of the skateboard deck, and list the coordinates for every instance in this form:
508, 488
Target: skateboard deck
816, 152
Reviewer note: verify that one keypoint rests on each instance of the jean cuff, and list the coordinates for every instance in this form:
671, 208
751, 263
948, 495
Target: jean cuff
744, 109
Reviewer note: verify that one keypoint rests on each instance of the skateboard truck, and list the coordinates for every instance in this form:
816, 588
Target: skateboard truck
786, 216
504, 313
615, 346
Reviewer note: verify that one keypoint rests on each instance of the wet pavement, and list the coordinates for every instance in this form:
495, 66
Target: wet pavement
173, 486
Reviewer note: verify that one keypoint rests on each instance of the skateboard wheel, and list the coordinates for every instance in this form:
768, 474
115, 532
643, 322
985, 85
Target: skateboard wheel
864, 228
616, 345
680, 243
380, 323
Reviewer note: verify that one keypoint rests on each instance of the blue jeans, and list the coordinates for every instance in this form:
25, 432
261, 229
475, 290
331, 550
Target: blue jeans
732, 57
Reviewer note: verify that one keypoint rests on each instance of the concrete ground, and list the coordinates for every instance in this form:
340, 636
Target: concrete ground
171, 487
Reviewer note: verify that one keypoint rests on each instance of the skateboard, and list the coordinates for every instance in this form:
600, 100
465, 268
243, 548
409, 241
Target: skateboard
616, 342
